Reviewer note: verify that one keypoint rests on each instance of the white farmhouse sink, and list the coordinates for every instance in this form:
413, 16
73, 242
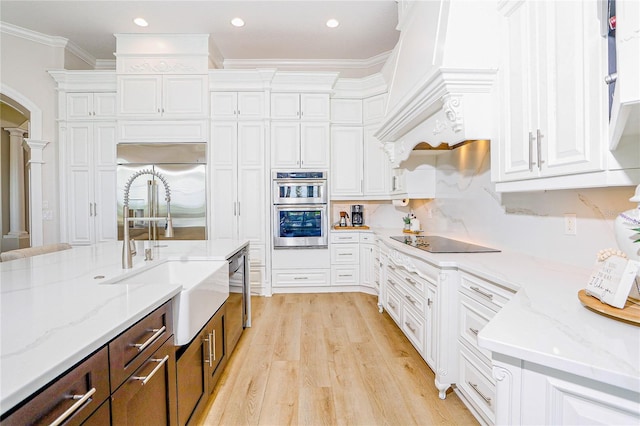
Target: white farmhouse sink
205, 287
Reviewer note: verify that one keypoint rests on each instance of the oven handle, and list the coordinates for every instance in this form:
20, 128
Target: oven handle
306, 206
300, 181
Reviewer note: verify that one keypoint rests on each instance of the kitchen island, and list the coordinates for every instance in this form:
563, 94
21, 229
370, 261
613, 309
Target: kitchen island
56, 309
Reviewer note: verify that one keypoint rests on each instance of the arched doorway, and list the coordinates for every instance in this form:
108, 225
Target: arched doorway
24, 202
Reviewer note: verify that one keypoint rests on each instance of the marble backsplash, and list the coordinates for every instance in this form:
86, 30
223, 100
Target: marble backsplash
467, 207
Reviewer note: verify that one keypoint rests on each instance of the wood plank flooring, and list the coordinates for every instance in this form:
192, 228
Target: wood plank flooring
327, 359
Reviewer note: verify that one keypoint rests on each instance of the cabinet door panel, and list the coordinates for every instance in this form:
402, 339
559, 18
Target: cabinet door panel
314, 106
105, 205
314, 145
140, 95
184, 96
79, 106
79, 141
285, 105
224, 105
251, 181
376, 165
104, 145
192, 378
104, 105
346, 161
250, 105
80, 210
223, 203
569, 84
517, 84
285, 145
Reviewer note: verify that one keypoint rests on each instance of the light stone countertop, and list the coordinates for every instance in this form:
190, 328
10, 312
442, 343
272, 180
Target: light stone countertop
544, 322
54, 313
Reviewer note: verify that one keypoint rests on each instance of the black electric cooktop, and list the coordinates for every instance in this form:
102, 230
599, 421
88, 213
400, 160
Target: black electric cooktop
442, 244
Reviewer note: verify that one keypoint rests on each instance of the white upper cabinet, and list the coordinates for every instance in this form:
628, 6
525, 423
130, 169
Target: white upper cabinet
552, 99
299, 145
373, 108
300, 106
346, 111
346, 162
162, 96
91, 106
376, 166
237, 105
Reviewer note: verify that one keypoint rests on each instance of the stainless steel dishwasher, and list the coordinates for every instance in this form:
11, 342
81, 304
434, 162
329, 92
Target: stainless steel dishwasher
238, 308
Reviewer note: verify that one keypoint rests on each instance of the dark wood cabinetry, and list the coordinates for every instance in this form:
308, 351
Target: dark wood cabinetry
199, 366
71, 399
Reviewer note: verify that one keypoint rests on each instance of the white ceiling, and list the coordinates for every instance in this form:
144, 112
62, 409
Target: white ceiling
282, 30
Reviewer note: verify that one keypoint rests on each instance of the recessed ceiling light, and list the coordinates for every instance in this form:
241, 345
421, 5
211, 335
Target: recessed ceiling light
141, 22
237, 22
332, 23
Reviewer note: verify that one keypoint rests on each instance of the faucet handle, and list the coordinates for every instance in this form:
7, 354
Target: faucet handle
132, 246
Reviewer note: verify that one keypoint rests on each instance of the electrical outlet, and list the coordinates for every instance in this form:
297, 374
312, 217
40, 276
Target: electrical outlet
570, 224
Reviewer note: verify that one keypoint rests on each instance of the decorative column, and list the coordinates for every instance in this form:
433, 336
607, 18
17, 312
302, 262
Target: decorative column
17, 215
35, 180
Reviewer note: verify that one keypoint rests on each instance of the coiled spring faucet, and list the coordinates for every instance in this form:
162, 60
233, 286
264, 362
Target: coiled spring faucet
127, 253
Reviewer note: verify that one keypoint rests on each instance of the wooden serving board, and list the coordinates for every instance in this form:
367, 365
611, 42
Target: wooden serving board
630, 313
350, 228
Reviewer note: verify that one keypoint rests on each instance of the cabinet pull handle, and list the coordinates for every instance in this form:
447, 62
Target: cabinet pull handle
344, 254
392, 305
90, 209
81, 399
530, 151
208, 360
299, 278
539, 142
408, 324
212, 347
344, 275
95, 209
390, 281
429, 302
234, 208
156, 333
474, 331
483, 396
410, 299
145, 379
483, 293
393, 268
411, 281
238, 208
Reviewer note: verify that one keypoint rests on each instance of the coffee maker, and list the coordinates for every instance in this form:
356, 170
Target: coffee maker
357, 215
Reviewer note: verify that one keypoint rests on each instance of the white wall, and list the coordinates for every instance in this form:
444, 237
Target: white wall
468, 208
23, 69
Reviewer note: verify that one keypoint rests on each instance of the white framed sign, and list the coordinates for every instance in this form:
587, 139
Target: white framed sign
612, 280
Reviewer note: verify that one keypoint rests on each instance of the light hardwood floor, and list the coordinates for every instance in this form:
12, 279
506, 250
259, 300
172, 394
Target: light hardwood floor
327, 359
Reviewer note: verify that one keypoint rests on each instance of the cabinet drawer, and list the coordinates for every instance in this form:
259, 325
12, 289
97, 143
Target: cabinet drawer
340, 237
412, 291
148, 396
87, 382
473, 318
413, 326
475, 380
487, 293
367, 237
393, 305
345, 254
345, 275
257, 255
301, 278
128, 351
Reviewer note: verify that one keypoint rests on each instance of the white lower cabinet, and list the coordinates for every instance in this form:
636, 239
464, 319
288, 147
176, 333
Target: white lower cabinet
479, 301
345, 258
421, 298
531, 394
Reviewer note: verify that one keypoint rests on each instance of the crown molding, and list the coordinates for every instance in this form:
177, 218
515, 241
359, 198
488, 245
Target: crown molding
47, 40
105, 64
308, 64
360, 88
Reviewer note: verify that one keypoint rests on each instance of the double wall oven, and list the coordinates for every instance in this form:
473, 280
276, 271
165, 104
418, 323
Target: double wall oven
300, 210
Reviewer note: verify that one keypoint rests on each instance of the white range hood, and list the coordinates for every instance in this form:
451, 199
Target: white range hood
441, 76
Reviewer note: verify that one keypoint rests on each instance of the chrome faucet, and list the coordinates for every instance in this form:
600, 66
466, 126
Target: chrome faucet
127, 251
